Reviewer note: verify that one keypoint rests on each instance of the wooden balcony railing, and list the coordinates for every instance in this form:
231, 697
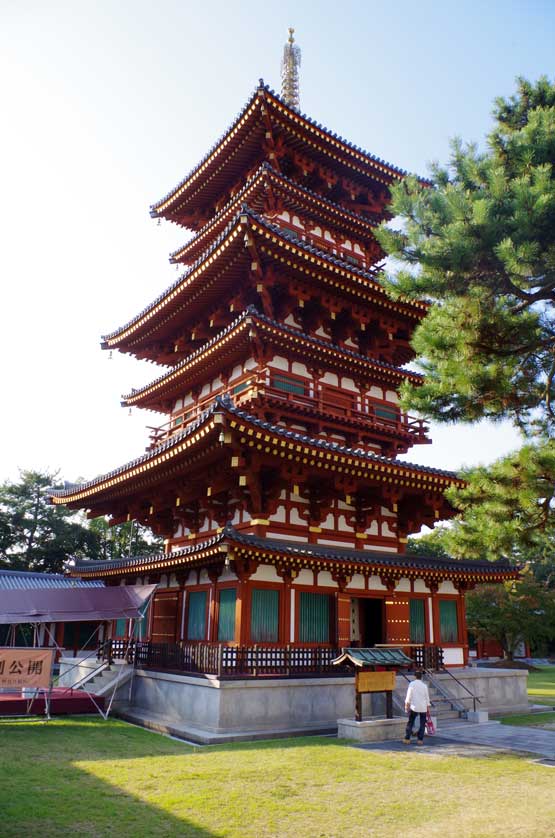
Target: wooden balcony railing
334, 406
245, 661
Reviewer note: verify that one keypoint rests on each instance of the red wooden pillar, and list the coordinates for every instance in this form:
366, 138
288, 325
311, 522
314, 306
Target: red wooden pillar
285, 610
342, 611
343, 632
214, 574
244, 568
180, 598
461, 612
433, 586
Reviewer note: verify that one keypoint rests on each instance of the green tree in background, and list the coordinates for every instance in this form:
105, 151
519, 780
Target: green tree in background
123, 540
479, 243
511, 613
34, 534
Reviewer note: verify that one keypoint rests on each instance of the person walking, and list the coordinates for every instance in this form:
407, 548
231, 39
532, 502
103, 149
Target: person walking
417, 703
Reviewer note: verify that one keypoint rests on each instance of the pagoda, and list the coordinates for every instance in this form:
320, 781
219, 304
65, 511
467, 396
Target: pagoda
273, 471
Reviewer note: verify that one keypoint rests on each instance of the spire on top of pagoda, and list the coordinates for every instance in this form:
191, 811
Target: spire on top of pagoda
290, 64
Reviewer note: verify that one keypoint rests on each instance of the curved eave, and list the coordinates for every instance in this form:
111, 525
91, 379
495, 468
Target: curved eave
298, 196
310, 133
236, 337
270, 440
297, 556
126, 475
287, 250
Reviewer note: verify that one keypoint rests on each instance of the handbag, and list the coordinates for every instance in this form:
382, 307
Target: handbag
430, 726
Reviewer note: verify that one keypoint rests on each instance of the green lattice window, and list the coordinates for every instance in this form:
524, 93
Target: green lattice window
226, 614
196, 615
417, 618
288, 384
314, 618
264, 615
120, 628
389, 414
448, 622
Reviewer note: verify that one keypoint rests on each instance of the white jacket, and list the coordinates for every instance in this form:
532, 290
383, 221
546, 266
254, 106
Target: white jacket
418, 697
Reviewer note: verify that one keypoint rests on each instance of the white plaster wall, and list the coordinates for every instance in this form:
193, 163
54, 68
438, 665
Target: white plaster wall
279, 363
279, 515
403, 585
265, 573
447, 588
453, 656
286, 536
325, 580
357, 581
420, 587
330, 378
391, 396
375, 584
305, 577
300, 369
349, 384
295, 518
227, 575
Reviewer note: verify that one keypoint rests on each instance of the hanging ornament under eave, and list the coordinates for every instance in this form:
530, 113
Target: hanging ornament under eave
290, 64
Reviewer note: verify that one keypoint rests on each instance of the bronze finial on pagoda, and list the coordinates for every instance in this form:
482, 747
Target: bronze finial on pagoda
290, 64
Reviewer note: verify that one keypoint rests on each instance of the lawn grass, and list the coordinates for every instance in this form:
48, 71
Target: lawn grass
541, 685
528, 719
85, 777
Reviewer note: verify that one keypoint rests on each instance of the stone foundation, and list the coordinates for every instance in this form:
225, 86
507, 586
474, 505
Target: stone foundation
209, 710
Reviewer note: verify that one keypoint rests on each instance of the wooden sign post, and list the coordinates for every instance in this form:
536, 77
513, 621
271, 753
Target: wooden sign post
374, 682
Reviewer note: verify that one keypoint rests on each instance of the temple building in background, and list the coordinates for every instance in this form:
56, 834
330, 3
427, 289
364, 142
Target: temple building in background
273, 473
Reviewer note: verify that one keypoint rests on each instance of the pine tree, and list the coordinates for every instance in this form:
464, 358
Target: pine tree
34, 534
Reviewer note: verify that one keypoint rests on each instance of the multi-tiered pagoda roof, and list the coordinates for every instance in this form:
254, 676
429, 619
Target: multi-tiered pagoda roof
283, 356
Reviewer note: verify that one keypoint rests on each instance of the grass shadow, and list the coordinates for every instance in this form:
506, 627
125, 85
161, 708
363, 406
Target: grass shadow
46, 788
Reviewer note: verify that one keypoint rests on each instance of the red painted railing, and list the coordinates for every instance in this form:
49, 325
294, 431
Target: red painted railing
333, 405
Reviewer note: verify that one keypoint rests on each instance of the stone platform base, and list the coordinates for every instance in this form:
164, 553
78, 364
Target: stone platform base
207, 710
202, 736
373, 730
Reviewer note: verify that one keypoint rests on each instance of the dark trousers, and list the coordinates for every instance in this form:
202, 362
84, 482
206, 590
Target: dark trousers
412, 718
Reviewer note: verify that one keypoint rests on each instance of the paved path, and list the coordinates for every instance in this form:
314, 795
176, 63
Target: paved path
530, 740
473, 740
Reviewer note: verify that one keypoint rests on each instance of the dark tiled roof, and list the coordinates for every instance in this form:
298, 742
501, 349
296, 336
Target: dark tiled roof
251, 311
138, 561
266, 168
25, 580
372, 158
225, 404
369, 275
372, 557
334, 446
163, 446
309, 551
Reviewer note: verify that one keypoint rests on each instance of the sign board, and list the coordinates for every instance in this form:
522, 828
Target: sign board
25, 667
374, 682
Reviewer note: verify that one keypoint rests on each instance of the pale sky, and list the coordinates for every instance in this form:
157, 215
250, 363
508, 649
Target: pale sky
107, 105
